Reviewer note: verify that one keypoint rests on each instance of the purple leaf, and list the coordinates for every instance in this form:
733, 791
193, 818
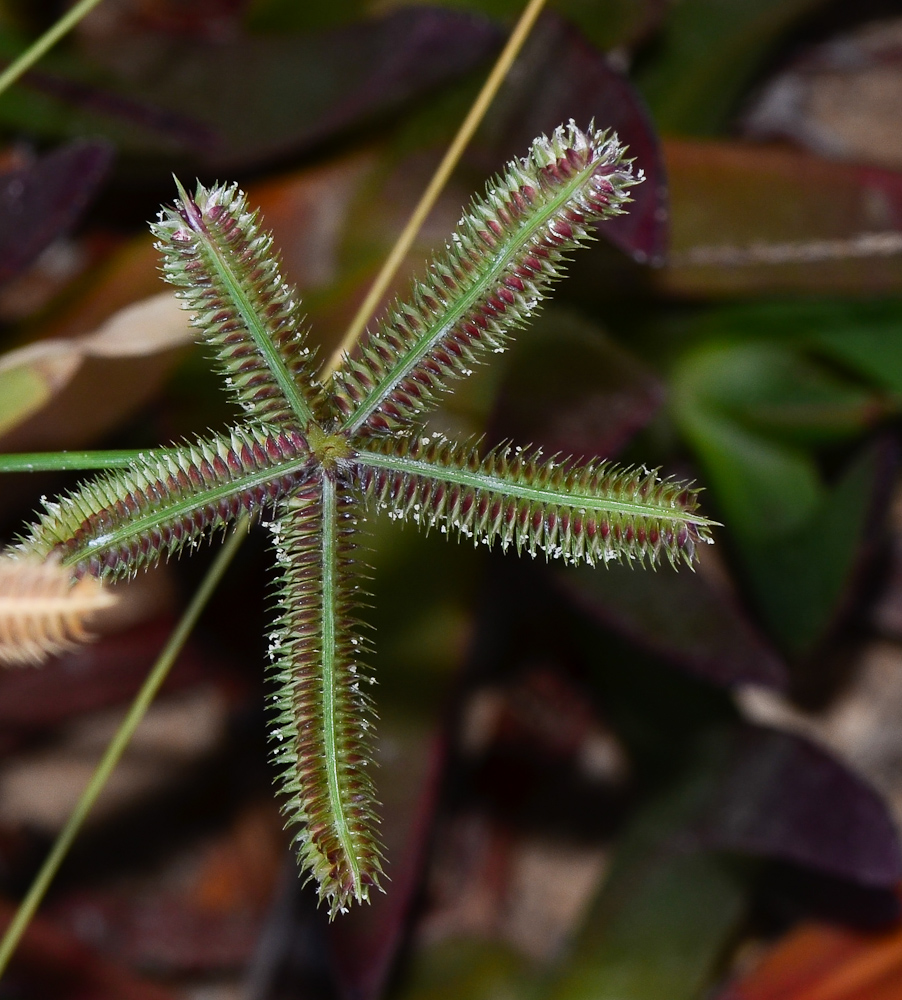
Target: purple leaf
101, 105
784, 797
561, 76
43, 200
52, 962
107, 672
306, 87
597, 394
683, 617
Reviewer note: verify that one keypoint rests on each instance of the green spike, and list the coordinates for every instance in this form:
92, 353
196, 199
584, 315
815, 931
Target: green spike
227, 276
508, 249
579, 512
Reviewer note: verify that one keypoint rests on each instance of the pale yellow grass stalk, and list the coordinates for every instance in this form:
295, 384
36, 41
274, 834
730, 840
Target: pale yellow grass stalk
42, 612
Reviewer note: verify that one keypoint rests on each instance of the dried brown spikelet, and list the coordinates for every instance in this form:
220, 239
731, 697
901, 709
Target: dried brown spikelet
42, 612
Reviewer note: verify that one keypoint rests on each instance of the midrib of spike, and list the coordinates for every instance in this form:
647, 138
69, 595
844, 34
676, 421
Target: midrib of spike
520, 491
330, 678
172, 511
516, 242
257, 330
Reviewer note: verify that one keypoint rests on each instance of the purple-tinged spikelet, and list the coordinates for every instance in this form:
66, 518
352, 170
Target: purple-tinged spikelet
590, 512
508, 249
228, 276
322, 747
169, 499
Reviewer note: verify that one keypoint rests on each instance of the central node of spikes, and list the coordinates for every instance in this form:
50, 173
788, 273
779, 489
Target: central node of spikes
328, 448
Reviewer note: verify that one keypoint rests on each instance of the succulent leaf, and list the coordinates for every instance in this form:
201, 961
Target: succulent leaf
228, 277
577, 511
130, 518
508, 249
322, 746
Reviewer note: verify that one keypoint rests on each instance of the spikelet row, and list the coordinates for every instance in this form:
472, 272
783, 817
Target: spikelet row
214, 252
590, 512
131, 518
42, 612
322, 715
508, 249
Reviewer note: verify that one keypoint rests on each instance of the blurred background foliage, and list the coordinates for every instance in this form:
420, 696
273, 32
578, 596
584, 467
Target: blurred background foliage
597, 783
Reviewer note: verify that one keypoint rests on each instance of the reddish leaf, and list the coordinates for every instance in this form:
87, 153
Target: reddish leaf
561, 76
51, 963
116, 114
104, 673
765, 220
41, 201
207, 919
307, 87
598, 395
366, 942
684, 617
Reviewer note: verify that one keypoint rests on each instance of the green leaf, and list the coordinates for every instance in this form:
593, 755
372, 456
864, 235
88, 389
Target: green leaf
665, 914
762, 488
775, 391
863, 336
799, 580
797, 538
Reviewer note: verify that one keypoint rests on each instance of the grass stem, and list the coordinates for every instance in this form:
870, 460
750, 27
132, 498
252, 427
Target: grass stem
41, 45
436, 185
117, 746
78, 461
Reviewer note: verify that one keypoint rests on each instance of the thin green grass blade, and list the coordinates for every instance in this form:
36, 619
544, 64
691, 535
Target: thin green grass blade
42, 45
71, 461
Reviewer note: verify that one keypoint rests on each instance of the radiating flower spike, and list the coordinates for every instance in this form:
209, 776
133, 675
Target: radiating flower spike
591, 512
508, 249
322, 720
168, 499
228, 277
